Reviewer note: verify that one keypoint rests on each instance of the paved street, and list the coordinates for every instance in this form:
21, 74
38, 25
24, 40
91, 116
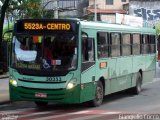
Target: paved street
114, 106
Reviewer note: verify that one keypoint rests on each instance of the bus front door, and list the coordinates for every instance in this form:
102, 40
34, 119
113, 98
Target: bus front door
87, 70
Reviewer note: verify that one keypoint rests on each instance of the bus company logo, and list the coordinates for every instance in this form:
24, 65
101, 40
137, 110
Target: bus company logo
6, 116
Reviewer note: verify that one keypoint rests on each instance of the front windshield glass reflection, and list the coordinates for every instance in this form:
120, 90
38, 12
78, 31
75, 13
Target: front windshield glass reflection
51, 52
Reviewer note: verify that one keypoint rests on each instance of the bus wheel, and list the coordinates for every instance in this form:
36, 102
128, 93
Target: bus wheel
98, 95
138, 88
41, 104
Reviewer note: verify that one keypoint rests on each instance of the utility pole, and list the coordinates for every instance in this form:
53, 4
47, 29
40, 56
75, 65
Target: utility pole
56, 9
95, 10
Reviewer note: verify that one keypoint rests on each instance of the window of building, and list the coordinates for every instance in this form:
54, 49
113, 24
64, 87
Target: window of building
126, 44
123, 1
115, 44
109, 2
102, 44
136, 44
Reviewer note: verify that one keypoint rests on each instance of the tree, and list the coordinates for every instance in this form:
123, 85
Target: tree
19, 9
31, 9
2, 15
25, 9
6, 7
3, 10
157, 27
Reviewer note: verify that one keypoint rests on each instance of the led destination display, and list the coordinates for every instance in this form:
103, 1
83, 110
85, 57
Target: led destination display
45, 26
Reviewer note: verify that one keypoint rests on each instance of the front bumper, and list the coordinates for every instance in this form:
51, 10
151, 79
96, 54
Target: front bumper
53, 95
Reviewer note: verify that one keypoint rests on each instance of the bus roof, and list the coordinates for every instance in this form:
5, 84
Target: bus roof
116, 27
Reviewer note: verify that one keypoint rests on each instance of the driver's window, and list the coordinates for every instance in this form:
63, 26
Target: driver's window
87, 50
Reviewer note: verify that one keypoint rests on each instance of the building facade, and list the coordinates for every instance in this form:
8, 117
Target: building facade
149, 10
65, 8
107, 9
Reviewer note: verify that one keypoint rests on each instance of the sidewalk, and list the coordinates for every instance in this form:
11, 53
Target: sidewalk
4, 76
4, 88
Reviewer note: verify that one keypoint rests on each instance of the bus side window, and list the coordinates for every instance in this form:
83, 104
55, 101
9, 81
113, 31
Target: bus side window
145, 44
126, 44
136, 44
102, 44
152, 44
91, 49
115, 48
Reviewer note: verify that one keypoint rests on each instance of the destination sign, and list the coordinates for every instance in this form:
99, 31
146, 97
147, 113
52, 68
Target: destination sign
46, 26
41, 26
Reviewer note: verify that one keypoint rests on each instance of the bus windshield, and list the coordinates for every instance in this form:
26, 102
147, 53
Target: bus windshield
44, 52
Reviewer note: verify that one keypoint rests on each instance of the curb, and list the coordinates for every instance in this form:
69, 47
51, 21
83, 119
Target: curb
4, 76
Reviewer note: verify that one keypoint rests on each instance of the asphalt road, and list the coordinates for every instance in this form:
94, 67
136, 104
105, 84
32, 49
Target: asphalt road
115, 105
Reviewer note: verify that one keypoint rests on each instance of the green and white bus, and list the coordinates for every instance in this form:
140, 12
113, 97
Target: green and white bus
72, 61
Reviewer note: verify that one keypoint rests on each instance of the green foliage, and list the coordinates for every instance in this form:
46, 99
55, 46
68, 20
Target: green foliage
157, 27
7, 36
5, 28
20, 9
32, 9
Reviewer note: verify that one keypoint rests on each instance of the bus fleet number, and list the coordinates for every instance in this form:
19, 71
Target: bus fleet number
53, 79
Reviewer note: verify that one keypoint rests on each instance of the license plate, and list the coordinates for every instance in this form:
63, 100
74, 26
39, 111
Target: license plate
40, 95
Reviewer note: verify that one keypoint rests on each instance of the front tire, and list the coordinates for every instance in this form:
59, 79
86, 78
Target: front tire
98, 95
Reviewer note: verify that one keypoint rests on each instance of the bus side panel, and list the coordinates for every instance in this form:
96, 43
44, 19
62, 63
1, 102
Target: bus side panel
120, 74
117, 74
112, 74
124, 72
150, 68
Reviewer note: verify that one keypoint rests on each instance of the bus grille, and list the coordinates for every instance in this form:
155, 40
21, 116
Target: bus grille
52, 94
58, 82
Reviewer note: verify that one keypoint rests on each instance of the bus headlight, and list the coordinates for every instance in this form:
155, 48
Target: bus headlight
72, 84
13, 82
